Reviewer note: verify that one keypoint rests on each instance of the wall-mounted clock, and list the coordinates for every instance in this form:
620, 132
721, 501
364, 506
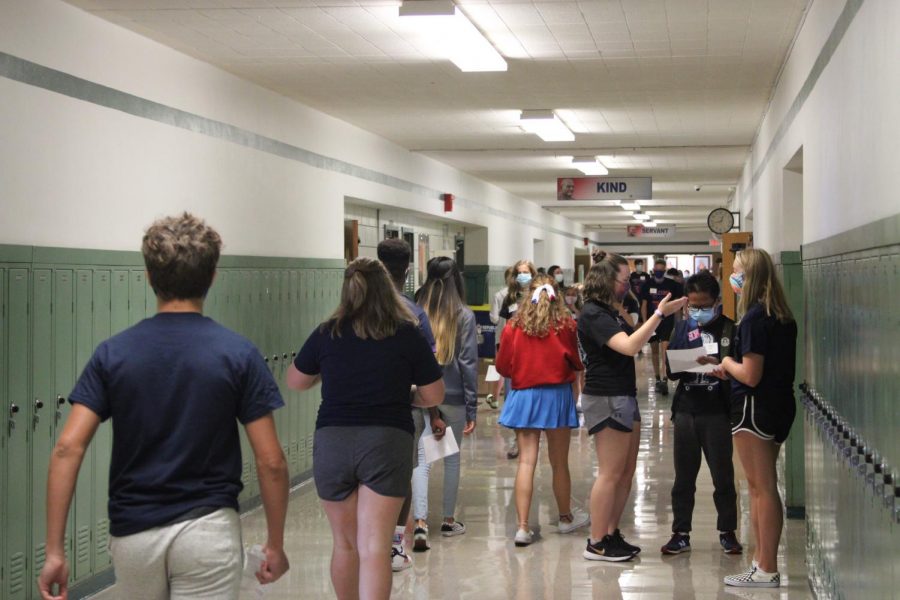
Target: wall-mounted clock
720, 221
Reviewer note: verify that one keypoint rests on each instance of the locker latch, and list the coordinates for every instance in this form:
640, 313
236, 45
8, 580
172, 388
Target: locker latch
11, 423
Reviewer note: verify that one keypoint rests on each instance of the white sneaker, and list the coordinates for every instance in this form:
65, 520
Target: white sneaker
400, 560
524, 537
579, 520
754, 578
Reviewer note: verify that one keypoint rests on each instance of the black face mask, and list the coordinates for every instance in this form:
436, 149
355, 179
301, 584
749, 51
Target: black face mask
659, 274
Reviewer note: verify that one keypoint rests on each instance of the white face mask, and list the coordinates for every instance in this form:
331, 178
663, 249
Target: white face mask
559, 277
570, 300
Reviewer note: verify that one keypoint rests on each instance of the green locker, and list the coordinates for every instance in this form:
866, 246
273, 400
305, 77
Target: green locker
18, 412
137, 291
306, 321
82, 503
43, 405
294, 345
5, 405
102, 443
64, 371
120, 297
149, 299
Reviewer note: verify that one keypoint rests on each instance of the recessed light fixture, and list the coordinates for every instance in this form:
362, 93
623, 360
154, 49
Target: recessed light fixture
641, 216
650, 223
589, 165
631, 206
451, 34
546, 125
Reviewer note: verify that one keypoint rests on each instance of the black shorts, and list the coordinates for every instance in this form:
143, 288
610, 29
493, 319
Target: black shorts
664, 331
378, 457
766, 418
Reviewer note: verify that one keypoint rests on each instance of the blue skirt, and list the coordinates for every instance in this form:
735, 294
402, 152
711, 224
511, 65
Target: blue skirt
542, 407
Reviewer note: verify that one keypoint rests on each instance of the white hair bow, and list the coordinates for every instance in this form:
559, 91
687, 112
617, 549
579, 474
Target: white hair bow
544, 288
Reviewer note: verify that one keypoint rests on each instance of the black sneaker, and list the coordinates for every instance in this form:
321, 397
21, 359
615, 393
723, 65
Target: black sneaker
606, 549
730, 543
420, 539
678, 544
620, 540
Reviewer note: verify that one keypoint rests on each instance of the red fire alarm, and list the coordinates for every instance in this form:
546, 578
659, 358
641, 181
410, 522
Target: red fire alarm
448, 202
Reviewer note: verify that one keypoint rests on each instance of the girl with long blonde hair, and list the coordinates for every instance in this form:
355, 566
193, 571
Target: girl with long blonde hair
763, 407
456, 348
539, 353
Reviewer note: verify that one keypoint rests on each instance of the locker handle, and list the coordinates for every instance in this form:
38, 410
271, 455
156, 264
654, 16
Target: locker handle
38, 404
60, 400
13, 408
274, 357
284, 356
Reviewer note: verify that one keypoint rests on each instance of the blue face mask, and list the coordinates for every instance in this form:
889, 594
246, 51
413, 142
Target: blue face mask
659, 274
737, 282
702, 315
523, 279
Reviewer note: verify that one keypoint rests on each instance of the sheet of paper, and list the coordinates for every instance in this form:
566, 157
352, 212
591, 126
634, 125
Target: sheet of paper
438, 449
681, 361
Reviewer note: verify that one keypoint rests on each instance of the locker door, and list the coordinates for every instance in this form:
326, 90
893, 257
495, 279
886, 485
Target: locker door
84, 346
119, 299
18, 415
102, 443
64, 372
5, 406
43, 405
294, 341
137, 291
149, 299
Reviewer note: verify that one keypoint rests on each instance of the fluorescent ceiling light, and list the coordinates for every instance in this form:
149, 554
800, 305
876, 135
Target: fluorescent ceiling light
650, 223
589, 165
452, 35
641, 216
631, 206
546, 125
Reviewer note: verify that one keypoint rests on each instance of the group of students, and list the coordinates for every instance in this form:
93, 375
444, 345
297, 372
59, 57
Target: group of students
176, 385
744, 394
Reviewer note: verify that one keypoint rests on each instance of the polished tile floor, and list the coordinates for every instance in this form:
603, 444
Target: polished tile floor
484, 563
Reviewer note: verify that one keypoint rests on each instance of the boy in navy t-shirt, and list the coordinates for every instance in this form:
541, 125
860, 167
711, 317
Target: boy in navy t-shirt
175, 386
652, 293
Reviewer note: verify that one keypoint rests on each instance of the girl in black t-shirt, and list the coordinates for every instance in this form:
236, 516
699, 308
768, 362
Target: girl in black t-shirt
762, 402
608, 345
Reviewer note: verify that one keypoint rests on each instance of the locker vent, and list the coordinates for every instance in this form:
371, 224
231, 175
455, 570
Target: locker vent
17, 573
40, 555
102, 536
83, 544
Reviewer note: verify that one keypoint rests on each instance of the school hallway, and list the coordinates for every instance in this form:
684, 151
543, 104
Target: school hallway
484, 563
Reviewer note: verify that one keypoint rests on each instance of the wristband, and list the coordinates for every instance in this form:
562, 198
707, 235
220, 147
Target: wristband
659, 314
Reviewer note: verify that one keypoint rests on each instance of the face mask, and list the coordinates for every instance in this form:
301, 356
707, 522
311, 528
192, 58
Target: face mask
570, 300
737, 282
638, 269
558, 277
523, 279
702, 315
659, 274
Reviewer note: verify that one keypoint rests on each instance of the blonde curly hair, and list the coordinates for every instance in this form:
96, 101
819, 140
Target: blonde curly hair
538, 318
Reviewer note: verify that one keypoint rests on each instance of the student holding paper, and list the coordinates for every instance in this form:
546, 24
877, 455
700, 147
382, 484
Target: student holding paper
700, 413
367, 355
762, 402
456, 345
609, 401
539, 352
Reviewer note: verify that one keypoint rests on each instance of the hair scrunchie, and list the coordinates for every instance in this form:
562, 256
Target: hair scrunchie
544, 288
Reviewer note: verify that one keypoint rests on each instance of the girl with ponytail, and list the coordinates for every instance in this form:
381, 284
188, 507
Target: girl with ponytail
539, 353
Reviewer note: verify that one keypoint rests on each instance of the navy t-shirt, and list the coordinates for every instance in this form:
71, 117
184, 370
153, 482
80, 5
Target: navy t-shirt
367, 382
175, 386
424, 323
607, 373
654, 291
774, 340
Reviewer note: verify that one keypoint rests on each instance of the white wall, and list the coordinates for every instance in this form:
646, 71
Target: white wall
848, 127
75, 174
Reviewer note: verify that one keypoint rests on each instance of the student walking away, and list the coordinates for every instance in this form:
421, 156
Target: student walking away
175, 386
539, 353
367, 355
654, 290
394, 254
499, 322
524, 272
700, 414
762, 402
457, 352
609, 401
